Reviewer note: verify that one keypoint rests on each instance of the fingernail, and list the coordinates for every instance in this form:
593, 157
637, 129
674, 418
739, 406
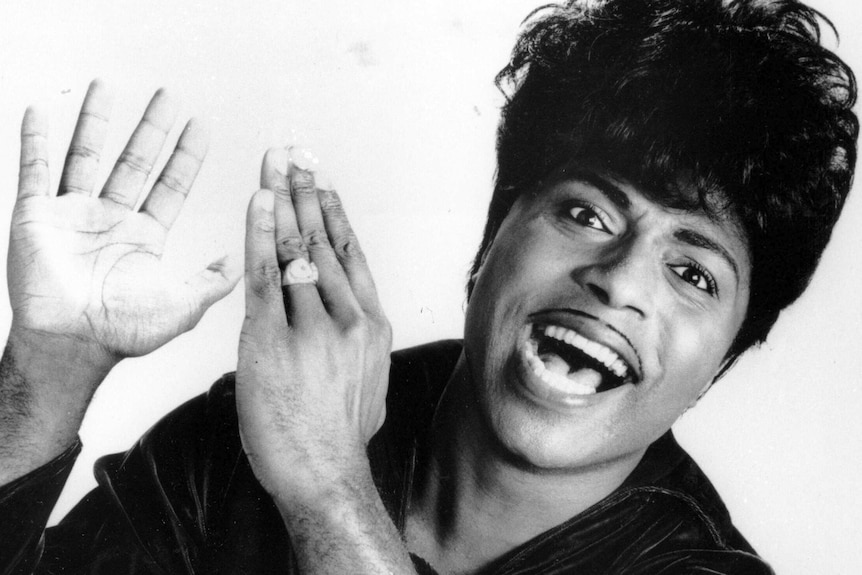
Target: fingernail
303, 159
323, 182
281, 160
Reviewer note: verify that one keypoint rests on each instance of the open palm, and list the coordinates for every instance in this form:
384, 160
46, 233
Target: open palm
87, 268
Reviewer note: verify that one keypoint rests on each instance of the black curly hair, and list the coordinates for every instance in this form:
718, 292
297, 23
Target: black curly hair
738, 96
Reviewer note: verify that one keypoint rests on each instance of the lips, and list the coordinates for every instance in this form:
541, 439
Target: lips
574, 348
595, 337
570, 356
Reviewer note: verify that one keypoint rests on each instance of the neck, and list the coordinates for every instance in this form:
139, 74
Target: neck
473, 501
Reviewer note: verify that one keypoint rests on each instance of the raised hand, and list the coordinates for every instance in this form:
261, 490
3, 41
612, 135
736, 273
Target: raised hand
313, 358
86, 283
86, 269
312, 375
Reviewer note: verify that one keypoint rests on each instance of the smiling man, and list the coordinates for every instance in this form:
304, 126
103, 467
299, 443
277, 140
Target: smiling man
668, 175
598, 316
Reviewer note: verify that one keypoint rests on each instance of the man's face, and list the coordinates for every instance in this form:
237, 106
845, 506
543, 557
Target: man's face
598, 317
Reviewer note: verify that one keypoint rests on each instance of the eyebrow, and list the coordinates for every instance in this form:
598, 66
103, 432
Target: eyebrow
622, 201
614, 193
698, 240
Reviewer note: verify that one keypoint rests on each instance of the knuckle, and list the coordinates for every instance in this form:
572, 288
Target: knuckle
292, 244
331, 204
76, 187
383, 329
315, 238
264, 226
266, 279
356, 328
281, 339
347, 248
35, 163
83, 152
160, 128
173, 184
33, 137
115, 197
94, 116
281, 191
135, 162
302, 184
195, 154
385, 326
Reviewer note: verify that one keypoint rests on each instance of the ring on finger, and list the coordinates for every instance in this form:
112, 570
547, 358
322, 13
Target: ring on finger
300, 271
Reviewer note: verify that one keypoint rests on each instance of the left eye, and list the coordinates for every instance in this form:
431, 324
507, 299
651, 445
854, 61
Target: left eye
697, 277
588, 217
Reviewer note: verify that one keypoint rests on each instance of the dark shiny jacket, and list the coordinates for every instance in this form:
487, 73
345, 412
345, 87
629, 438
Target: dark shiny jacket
184, 500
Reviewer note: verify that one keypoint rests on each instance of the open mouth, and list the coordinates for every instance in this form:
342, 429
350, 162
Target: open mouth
573, 364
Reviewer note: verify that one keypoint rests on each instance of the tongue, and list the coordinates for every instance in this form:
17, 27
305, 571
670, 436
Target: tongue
586, 376
555, 364
583, 375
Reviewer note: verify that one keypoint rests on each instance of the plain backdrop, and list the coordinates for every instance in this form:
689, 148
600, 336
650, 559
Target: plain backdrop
397, 100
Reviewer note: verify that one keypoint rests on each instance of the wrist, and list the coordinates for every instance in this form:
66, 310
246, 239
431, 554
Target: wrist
46, 384
65, 364
344, 527
317, 482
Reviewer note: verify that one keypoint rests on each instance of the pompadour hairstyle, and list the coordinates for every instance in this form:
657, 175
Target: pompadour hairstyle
737, 97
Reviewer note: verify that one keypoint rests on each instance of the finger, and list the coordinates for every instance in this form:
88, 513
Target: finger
348, 251
166, 199
33, 176
209, 286
273, 176
333, 285
273, 171
134, 165
262, 275
82, 159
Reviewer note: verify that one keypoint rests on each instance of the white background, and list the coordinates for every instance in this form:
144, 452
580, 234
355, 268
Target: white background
398, 101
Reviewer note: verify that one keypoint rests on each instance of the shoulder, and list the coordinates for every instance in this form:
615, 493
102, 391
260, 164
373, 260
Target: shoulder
186, 494
202, 430
666, 519
419, 374
682, 518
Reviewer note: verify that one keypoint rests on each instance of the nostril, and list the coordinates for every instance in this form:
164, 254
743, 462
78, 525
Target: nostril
600, 293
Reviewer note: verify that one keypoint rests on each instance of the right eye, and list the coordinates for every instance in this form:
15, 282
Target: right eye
589, 217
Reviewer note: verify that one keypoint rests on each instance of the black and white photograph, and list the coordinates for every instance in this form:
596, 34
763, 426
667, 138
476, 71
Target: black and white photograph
324, 287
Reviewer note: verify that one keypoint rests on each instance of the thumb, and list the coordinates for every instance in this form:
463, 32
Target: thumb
210, 285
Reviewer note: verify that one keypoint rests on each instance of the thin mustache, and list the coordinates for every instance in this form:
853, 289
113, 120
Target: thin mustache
607, 325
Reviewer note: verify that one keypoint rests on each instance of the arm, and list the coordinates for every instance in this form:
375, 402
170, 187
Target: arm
86, 284
312, 377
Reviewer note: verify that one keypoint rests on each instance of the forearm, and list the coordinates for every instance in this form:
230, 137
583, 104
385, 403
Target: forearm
46, 383
344, 528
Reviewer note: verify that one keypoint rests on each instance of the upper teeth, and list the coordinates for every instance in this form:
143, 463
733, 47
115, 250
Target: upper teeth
603, 354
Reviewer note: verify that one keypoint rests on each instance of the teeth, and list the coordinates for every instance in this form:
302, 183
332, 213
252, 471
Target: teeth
604, 355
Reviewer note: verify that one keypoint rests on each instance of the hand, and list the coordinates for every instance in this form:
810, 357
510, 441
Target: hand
85, 271
313, 359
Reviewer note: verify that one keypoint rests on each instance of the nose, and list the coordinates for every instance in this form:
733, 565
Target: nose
621, 277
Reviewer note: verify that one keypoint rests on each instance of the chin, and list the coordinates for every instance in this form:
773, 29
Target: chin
534, 437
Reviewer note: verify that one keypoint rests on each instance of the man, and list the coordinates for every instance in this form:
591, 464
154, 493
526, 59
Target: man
650, 220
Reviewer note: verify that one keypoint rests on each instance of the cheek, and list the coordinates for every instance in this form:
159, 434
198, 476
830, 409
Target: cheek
696, 349
515, 273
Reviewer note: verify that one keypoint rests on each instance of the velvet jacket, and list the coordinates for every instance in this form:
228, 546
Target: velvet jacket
184, 500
